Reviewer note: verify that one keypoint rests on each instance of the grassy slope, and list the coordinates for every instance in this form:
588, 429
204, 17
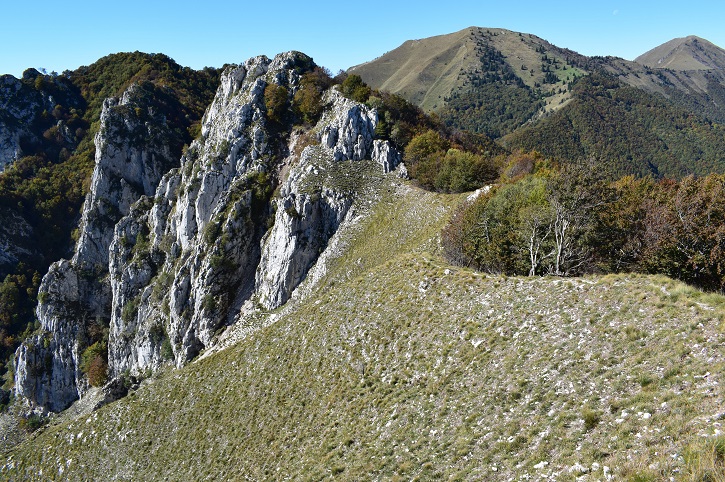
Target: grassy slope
688, 53
422, 71
427, 71
401, 367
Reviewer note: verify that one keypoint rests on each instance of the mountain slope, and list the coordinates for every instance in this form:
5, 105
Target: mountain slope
501, 82
629, 130
398, 365
485, 80
687, 53
422, 71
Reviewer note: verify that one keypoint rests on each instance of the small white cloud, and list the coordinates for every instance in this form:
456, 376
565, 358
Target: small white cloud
616, 12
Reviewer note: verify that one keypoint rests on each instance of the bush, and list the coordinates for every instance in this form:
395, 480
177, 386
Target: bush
308, 99
354, 88
167, 352
97, 372
437, 166
276, 101
591, 419
32, 423
129, 312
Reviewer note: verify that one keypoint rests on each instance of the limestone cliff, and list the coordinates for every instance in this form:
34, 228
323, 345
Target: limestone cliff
168, 256
131, 154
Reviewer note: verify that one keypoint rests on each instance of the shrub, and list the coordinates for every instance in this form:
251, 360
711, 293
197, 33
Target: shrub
308, 99
129, 312
167, 352
591, 418
354, 88
98, 372
94, 364
32, 423
276, 101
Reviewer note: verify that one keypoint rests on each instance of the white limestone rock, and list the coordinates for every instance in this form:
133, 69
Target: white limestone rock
207, 219
348, 128
303, 225
132, 153
386, 155
169, 255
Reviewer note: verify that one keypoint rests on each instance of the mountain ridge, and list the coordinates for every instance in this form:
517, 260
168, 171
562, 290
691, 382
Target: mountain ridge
441, 63
538, 64
685, 53
510, 84
274, 303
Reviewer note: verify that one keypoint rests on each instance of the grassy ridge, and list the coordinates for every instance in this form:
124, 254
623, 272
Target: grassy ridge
403, 368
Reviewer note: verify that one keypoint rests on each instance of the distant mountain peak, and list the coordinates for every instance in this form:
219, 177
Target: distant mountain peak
685, 53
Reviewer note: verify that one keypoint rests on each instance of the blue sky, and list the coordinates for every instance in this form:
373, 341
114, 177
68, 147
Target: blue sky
59, 35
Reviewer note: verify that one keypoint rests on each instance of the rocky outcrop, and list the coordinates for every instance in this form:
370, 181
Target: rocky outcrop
46, 365
131, 154
348, 128
304, 223
26, 107
170, 255
19, 105
16, 240
203, 228
386, 155
312, 206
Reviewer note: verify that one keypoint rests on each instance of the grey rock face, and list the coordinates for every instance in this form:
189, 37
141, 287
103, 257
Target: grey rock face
303, 225
348, 128
16, 240
18, 107
131, 157
169, 255
131, 154
310, 212
386, 155
204, 228
46, 366
24, 113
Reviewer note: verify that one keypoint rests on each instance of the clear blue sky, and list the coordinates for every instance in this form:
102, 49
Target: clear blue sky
59, 35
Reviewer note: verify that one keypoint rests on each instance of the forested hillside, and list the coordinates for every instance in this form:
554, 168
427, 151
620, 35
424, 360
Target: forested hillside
638, 119
627, 129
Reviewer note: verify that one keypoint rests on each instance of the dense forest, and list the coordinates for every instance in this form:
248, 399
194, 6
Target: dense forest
629, 130
493, 100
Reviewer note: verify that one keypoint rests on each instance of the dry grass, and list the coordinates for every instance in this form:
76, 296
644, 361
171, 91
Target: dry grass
397, 366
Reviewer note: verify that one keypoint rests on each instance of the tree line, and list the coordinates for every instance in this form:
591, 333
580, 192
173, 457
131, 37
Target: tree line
570, 219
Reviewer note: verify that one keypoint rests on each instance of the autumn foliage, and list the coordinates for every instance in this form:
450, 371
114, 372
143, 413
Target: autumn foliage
567, 221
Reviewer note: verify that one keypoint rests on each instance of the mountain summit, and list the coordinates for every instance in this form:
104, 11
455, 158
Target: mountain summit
686, 53
490, 80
